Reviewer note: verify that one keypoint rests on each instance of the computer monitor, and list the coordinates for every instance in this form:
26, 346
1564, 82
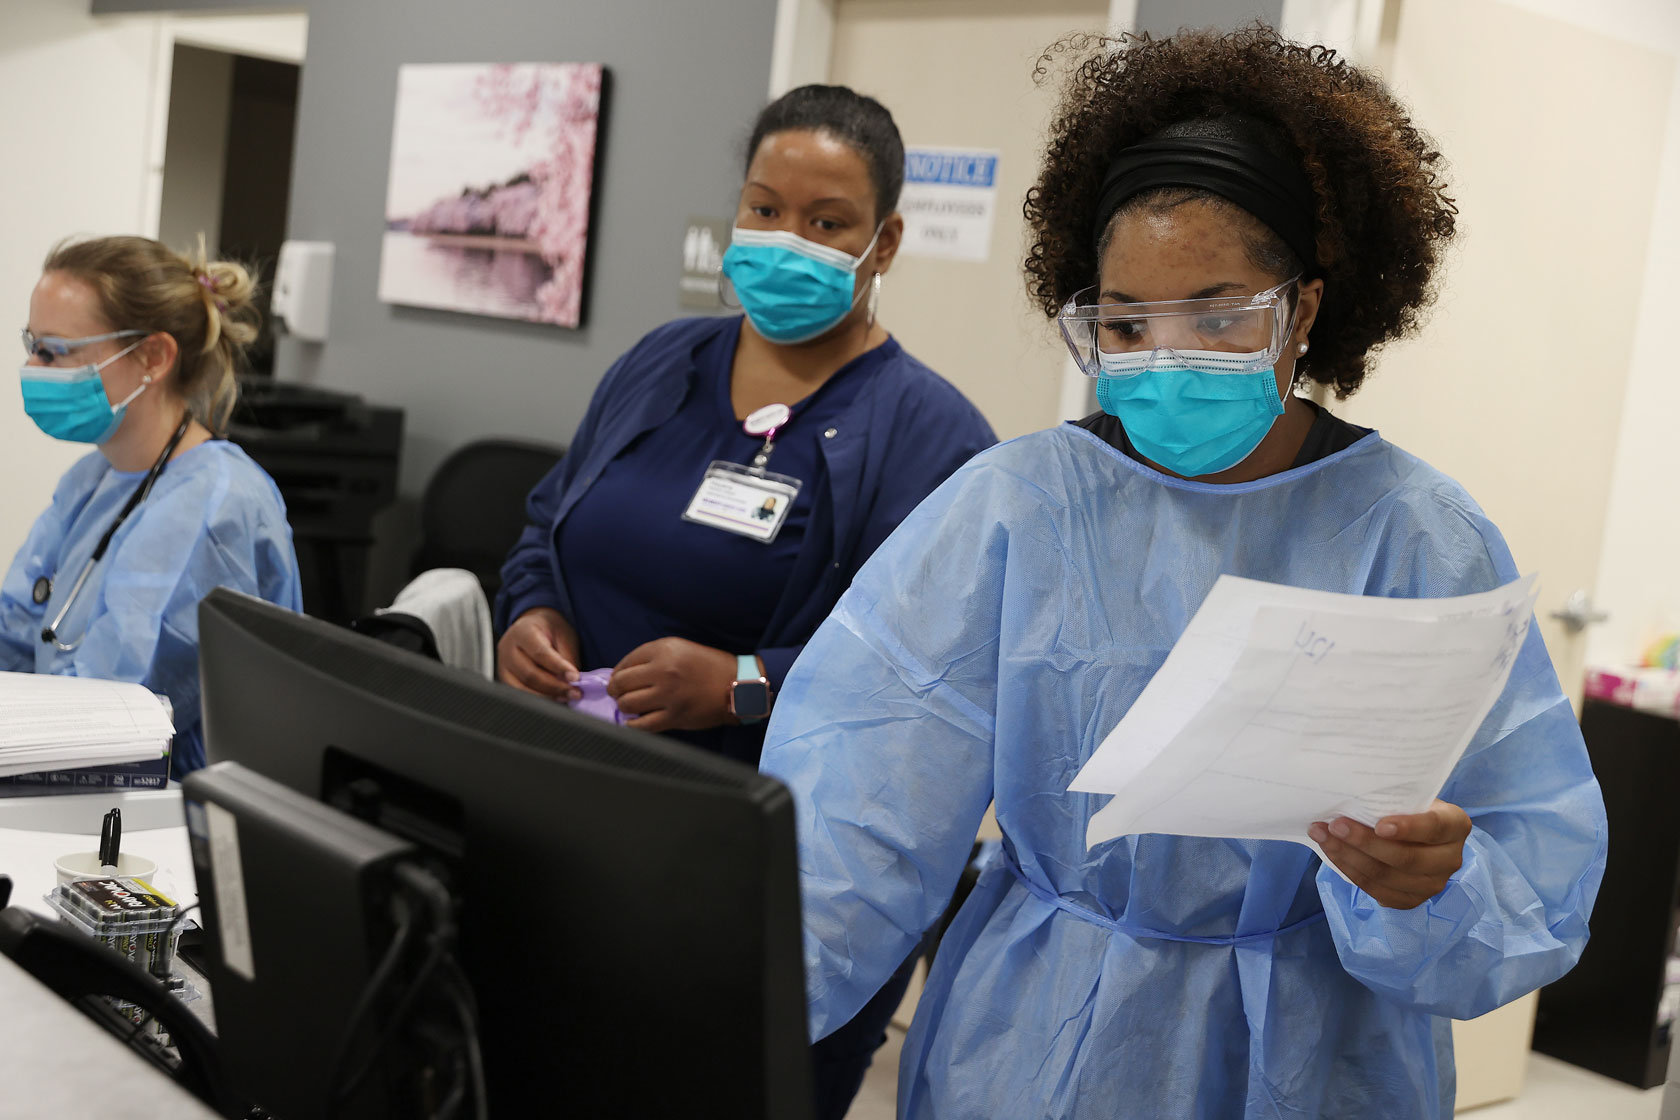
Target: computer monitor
629, 906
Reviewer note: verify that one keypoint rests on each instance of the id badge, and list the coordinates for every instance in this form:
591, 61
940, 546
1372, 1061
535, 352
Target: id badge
743, 500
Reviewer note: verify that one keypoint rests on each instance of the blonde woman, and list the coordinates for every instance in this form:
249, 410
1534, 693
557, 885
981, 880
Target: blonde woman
132, 348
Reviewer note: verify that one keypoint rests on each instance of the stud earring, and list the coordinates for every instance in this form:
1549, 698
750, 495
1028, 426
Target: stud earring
1301, 349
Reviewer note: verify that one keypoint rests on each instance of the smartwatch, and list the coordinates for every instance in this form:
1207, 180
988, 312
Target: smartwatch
749, 696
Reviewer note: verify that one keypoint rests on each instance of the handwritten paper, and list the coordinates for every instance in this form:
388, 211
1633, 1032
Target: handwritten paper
1280, 706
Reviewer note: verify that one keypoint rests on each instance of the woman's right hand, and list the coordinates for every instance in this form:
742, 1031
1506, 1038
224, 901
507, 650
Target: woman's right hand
539, 654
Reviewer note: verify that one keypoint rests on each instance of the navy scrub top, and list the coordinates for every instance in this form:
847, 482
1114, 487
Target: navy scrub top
606, 545
653, 575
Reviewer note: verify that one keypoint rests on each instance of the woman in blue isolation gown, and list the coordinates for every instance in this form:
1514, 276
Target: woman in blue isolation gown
131, 348
1218, 220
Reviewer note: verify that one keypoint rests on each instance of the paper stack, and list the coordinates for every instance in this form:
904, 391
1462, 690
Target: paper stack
55, 723
1280, 706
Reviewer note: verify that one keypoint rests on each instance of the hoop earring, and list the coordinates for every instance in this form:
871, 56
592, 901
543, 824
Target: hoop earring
874, 297
722, 299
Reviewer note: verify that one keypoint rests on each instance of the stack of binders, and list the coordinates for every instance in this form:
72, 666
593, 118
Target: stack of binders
73, 735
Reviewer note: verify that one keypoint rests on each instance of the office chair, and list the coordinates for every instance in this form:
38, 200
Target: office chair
473, 509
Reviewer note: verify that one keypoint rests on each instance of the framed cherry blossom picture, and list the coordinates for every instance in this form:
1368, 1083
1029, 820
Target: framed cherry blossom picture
492, 169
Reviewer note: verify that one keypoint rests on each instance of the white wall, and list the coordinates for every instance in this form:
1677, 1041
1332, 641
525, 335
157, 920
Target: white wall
1519, 382
77, 91
803, 41
1639, 568
85, 105
276, 36
1637, 580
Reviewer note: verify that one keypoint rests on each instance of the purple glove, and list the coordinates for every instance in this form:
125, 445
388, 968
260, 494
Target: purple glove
596, 702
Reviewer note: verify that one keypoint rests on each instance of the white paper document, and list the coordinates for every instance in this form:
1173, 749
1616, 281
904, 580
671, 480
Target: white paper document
1281, 706
56, 723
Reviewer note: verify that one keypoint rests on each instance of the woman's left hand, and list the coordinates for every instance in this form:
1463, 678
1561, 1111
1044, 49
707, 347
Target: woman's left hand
1406, 860
674, 685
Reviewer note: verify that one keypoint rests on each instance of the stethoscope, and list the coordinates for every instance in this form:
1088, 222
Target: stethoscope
44, 587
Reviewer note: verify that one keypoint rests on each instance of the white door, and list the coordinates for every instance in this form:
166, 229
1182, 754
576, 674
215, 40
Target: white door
958, 73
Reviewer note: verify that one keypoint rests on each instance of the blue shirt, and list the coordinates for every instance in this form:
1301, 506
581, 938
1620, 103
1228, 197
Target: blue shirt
214, 519
607, 546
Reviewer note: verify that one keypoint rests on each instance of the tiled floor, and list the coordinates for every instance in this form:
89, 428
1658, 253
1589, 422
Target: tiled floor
1554, 1091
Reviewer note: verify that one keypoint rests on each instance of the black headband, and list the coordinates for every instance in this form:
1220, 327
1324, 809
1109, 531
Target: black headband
1271, 188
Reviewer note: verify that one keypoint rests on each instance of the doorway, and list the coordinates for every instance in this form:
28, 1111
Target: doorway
227, 165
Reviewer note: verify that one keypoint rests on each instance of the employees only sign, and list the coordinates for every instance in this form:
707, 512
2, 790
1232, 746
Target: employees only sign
948, 202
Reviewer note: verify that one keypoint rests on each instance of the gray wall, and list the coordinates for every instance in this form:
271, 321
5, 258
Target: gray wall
1163, 17
684, 82
686, 77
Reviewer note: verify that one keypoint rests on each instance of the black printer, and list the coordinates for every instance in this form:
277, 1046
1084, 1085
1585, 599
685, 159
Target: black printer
335, 459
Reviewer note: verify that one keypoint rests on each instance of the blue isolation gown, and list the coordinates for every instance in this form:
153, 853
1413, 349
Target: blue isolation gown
982, 655
214, 519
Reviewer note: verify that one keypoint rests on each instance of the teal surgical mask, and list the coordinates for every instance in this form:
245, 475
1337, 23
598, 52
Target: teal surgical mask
70, 404
792, 289
1194, 381
1192, 421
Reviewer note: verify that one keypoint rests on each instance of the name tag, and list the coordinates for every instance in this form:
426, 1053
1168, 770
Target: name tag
743, 500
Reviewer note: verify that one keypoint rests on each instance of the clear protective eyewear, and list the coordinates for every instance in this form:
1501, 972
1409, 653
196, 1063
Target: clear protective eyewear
46, 347
1224, 334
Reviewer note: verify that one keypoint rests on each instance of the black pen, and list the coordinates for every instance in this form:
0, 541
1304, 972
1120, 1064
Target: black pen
110, 839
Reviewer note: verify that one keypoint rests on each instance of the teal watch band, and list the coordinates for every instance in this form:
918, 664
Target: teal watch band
749, 696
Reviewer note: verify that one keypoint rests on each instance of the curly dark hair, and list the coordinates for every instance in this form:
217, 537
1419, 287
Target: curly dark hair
1383, 214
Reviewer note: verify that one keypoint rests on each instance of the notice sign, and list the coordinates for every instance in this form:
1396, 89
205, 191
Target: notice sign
950, 196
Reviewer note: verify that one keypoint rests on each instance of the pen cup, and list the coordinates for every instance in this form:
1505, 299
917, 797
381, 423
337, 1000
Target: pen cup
86, 865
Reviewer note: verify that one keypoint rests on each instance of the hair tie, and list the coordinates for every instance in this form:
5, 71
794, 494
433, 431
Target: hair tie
209, 285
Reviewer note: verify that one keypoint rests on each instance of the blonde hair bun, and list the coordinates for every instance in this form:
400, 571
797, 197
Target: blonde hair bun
207, 306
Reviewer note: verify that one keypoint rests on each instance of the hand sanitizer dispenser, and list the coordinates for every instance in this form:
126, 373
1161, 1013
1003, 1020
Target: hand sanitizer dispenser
303, 288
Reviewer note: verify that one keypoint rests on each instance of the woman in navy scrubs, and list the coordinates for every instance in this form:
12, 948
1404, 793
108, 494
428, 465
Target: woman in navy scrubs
649, 550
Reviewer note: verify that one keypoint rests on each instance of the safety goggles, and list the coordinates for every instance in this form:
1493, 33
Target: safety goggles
46, 347
1225, 334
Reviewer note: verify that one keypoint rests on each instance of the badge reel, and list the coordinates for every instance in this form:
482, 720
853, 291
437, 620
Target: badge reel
748, 501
